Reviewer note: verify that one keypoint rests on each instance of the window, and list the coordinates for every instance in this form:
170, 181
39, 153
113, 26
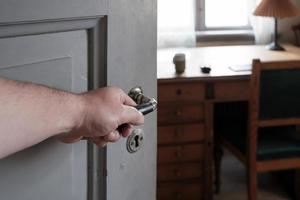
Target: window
176, 23
175, 15
222, 15
207, 22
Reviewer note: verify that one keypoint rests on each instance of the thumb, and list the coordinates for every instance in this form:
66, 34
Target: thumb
132, 116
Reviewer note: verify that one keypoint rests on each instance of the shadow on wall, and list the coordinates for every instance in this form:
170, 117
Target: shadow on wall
286, 34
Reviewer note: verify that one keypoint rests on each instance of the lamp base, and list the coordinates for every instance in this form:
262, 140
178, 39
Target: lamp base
274, 46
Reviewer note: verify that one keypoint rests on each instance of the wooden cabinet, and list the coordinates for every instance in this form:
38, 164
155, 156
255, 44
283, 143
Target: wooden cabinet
186, 112
182, 142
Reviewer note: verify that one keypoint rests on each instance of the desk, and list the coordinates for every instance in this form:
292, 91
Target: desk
185, 112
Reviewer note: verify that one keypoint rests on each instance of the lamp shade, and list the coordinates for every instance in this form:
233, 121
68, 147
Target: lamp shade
276, 8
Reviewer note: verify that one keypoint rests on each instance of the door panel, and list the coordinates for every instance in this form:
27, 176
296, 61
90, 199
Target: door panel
12, 11
49, 170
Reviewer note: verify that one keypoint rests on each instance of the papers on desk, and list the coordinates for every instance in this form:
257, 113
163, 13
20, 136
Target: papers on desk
241, 68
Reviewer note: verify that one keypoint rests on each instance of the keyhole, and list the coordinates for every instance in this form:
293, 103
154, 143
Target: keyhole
137, 141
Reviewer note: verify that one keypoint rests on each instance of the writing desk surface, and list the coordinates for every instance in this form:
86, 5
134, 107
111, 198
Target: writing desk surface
220, 59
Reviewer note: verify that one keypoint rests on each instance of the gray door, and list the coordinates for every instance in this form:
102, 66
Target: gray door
76, 45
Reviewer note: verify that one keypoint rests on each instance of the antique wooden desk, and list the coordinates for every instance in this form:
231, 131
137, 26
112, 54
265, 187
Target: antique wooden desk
185, 112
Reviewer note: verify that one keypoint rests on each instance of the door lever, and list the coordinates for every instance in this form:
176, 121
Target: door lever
144, 105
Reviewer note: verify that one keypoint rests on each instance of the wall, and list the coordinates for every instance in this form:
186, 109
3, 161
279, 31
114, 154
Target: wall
286, 34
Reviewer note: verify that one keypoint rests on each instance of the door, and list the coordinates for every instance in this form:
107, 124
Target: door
76, 45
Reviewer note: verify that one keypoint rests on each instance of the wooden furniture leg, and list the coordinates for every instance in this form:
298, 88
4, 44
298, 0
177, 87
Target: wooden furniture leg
252, 183
297, 184
218, 154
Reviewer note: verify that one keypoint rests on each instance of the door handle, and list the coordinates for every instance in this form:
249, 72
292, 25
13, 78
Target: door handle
144, 105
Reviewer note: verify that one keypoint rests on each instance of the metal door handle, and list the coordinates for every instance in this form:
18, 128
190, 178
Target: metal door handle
144, 104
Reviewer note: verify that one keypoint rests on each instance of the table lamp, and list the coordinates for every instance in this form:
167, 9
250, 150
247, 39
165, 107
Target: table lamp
278, 9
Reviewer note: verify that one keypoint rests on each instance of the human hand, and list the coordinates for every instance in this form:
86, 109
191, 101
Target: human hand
105, 114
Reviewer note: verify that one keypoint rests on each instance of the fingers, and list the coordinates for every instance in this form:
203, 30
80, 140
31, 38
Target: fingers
132, 116
103, 140
127, 100
125, 130
99, 141
112, 137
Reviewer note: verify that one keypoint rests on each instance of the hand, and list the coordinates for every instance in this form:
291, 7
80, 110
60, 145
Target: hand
103, 112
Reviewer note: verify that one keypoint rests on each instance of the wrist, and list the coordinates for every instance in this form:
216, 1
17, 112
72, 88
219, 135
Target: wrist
76, 109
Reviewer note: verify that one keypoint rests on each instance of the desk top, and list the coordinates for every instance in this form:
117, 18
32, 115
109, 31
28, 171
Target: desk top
226, 62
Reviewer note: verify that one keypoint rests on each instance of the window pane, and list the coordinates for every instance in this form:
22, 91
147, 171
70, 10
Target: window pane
226, 13
175, 14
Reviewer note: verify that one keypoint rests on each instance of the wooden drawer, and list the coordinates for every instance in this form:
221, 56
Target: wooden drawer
176, 134
180, 153
173, 191
183, 171
181, 92
171, 114
227, 90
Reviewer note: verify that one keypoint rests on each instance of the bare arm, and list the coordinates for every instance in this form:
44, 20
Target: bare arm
32, 113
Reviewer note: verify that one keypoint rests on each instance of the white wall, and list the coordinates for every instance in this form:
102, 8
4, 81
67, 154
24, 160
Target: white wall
285, 31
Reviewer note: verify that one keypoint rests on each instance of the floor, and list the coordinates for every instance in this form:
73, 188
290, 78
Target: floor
234, 183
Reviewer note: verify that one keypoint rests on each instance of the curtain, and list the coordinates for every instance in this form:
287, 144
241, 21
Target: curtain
263, 27
176, 23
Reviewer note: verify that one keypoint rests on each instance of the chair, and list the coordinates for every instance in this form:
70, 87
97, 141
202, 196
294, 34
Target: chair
296, 30
262, 134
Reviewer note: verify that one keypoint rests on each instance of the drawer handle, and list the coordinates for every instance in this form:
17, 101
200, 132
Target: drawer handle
178, 92
178, 112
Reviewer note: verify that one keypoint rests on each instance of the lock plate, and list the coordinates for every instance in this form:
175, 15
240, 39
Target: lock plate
135, 140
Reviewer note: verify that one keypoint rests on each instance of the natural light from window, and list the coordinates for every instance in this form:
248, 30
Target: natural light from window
226, 13
176, 15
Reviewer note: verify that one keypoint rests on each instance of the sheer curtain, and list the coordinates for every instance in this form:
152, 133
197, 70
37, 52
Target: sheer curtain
176, 23
262, 26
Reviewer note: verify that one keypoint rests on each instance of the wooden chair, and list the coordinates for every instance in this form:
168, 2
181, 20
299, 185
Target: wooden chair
296, 30
262, 134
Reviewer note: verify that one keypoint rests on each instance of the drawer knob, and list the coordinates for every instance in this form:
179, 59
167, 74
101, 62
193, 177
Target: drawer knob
178, 92
178, 112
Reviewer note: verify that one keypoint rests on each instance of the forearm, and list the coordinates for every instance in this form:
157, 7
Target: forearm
31, 113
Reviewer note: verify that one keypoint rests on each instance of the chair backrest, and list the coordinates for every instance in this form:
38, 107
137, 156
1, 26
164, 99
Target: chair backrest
275, 98
296, 30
